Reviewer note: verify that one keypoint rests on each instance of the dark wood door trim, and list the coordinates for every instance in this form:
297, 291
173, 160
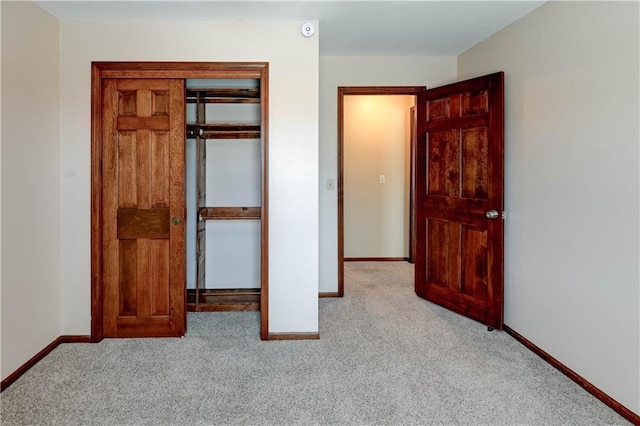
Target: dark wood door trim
412, 183
359, 90
181, 70
264, 203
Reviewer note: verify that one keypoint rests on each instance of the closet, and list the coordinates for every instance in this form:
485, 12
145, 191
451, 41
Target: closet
179, 217
223, 178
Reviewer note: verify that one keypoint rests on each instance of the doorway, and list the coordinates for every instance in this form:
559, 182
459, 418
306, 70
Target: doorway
138, 274
345, 95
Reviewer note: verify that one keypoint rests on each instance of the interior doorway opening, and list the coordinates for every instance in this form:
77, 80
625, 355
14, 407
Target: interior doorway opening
376, 157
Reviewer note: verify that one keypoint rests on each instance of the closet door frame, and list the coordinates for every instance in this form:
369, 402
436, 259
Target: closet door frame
176, 70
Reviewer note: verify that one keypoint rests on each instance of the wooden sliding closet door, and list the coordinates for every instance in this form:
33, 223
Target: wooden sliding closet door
143, 244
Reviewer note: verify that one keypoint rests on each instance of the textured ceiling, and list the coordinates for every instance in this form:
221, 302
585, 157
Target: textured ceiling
346, 27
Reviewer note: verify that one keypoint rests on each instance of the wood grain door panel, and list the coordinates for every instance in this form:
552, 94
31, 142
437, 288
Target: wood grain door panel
459, 177
143, 191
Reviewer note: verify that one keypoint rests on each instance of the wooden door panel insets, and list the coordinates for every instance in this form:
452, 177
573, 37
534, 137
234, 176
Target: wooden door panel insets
143, 282
474, 174
439, 109
438, 237
127, 103
159, 103
128, 278
159, 173
143, 261
475, 102
443, 163
474, 243
159, 261
147, 123
143, 223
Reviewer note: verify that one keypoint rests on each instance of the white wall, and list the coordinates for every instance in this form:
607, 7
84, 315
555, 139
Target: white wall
572, 185
30, 183
233, 246
359, 71
377, 138
293, 146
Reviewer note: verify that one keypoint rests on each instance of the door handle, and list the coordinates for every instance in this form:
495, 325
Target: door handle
175, 220
492, 214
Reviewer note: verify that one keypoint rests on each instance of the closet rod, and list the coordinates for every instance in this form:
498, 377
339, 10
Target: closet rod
224, 131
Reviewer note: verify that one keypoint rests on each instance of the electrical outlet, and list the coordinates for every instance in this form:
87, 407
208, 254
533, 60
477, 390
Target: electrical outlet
382, 179
331, 185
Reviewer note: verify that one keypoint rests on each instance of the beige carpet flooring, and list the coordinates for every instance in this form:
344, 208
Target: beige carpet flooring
385, 357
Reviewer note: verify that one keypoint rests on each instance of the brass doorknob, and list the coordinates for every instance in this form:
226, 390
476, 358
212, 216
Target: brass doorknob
175, 220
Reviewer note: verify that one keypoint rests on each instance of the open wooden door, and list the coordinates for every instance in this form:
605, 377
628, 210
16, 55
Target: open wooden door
459, 198
143, 252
